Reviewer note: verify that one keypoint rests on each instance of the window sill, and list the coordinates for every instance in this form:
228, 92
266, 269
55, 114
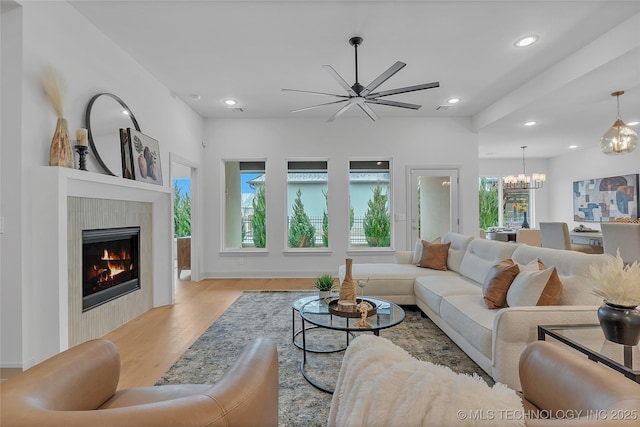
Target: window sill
244, 252
369, 251
306, 251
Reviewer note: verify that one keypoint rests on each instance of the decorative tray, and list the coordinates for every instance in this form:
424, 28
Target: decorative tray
333, 309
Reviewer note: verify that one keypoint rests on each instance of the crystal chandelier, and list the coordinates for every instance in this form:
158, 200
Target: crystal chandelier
524, 181
620, 138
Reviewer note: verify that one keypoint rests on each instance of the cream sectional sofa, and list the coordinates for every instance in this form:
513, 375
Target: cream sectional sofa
453, 299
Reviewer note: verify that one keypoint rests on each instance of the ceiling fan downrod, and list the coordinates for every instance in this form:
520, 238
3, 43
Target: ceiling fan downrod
355, 42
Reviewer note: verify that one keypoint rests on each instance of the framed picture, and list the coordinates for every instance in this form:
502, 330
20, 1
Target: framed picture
605, 199
127, 155
146, 157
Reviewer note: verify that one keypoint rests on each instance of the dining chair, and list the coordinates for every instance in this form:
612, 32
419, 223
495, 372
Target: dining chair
555, 235
623, 236
482, 234
529, 236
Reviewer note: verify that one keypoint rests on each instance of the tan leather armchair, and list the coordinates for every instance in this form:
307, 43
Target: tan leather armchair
576, 391
78, 388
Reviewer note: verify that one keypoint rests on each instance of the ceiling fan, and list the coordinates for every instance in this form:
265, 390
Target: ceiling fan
362, 96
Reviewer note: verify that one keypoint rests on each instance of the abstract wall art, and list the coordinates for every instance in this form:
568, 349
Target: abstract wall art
606, 199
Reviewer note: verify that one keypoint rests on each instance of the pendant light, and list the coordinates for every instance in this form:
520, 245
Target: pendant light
620, 139
524, 181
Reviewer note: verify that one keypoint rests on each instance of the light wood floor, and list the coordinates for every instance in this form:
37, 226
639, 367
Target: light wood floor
151, 343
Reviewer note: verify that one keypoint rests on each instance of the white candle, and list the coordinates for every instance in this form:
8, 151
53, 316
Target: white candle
81, 136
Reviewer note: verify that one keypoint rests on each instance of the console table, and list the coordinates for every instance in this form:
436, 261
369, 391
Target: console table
589, 339
593, 238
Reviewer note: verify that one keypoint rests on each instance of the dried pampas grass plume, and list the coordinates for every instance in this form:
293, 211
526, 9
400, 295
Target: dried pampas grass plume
53, 86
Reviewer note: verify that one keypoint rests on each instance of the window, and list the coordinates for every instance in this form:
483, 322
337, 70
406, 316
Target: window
512, 212
489, 202
245, 220
516, 205
369, 195
307, 204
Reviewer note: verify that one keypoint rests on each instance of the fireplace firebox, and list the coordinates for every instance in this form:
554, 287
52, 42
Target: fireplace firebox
110, 264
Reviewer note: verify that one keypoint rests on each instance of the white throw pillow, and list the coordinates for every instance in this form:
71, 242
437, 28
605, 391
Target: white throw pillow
417, 250
531, 288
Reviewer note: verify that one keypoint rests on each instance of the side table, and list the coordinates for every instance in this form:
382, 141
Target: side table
589, 339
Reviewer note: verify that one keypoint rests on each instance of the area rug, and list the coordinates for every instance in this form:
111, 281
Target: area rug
268, 314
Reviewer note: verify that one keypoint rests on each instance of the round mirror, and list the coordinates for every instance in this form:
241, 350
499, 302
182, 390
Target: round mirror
106, 114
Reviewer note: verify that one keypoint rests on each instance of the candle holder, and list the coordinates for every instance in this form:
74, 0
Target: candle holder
82, 152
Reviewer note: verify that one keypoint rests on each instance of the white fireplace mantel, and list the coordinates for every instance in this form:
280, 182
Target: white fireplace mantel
48, 323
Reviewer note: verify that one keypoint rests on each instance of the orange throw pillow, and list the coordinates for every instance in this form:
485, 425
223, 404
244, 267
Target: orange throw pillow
496, 285
434, 255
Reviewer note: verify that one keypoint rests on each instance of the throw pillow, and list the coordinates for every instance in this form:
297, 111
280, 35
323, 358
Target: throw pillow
417, 250
531, 288
497, 283
434, 255
534, 265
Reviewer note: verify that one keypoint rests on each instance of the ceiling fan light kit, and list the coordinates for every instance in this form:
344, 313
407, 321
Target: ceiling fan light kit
620, 138
362, 96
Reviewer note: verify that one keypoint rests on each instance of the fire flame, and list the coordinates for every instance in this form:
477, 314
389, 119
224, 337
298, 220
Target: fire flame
114, 262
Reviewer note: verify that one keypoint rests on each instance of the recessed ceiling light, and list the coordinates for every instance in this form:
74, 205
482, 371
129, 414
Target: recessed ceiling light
526, 41
125, 112
230, 102
635, 123
531, 123
453, 100
573, 146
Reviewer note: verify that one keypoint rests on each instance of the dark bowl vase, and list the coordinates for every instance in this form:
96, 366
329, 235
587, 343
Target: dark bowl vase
620, 324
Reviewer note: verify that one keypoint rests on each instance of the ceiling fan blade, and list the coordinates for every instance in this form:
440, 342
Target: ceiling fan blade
404, 90
314, 93
383, 78
394, 104
368, 111
319, 105
340, 80
340, 111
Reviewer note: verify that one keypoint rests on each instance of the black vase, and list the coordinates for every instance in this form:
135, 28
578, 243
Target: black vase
620, 324
525, 223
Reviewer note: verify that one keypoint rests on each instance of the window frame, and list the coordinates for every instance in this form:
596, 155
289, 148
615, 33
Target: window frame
287, 204
224, 250
369, 249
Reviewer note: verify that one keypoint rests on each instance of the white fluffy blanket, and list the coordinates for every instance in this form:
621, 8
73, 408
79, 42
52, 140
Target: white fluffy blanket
380, 384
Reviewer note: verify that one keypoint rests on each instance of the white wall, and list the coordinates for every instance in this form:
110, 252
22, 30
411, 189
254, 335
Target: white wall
554, 202
581, 165
55, 33
428, 143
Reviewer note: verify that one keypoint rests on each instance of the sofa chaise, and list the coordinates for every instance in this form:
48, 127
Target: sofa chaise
454, 299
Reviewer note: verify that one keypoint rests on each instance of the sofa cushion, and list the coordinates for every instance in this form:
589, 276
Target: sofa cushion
467, 315
431, 289
434, 255
481, 255
417, 250
459, 244
497, 283
535, 288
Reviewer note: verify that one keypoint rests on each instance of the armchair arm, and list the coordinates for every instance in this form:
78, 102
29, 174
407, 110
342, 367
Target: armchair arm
247, 395
515, 327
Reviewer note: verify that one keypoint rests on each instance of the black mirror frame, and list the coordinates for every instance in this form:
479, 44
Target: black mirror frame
87, 121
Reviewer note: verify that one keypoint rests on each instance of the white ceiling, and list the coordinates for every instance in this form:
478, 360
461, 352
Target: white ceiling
250, 50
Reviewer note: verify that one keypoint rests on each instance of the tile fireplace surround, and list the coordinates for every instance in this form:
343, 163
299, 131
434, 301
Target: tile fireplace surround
66, 202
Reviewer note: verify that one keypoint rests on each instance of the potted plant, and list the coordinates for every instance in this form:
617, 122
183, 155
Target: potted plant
324, 284
619, 285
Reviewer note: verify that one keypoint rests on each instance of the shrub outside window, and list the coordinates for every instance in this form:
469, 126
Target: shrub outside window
369, 195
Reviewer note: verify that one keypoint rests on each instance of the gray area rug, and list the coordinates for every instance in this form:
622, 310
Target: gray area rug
268, 314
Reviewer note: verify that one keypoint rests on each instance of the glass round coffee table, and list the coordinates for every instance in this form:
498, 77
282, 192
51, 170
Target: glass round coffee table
319, 315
